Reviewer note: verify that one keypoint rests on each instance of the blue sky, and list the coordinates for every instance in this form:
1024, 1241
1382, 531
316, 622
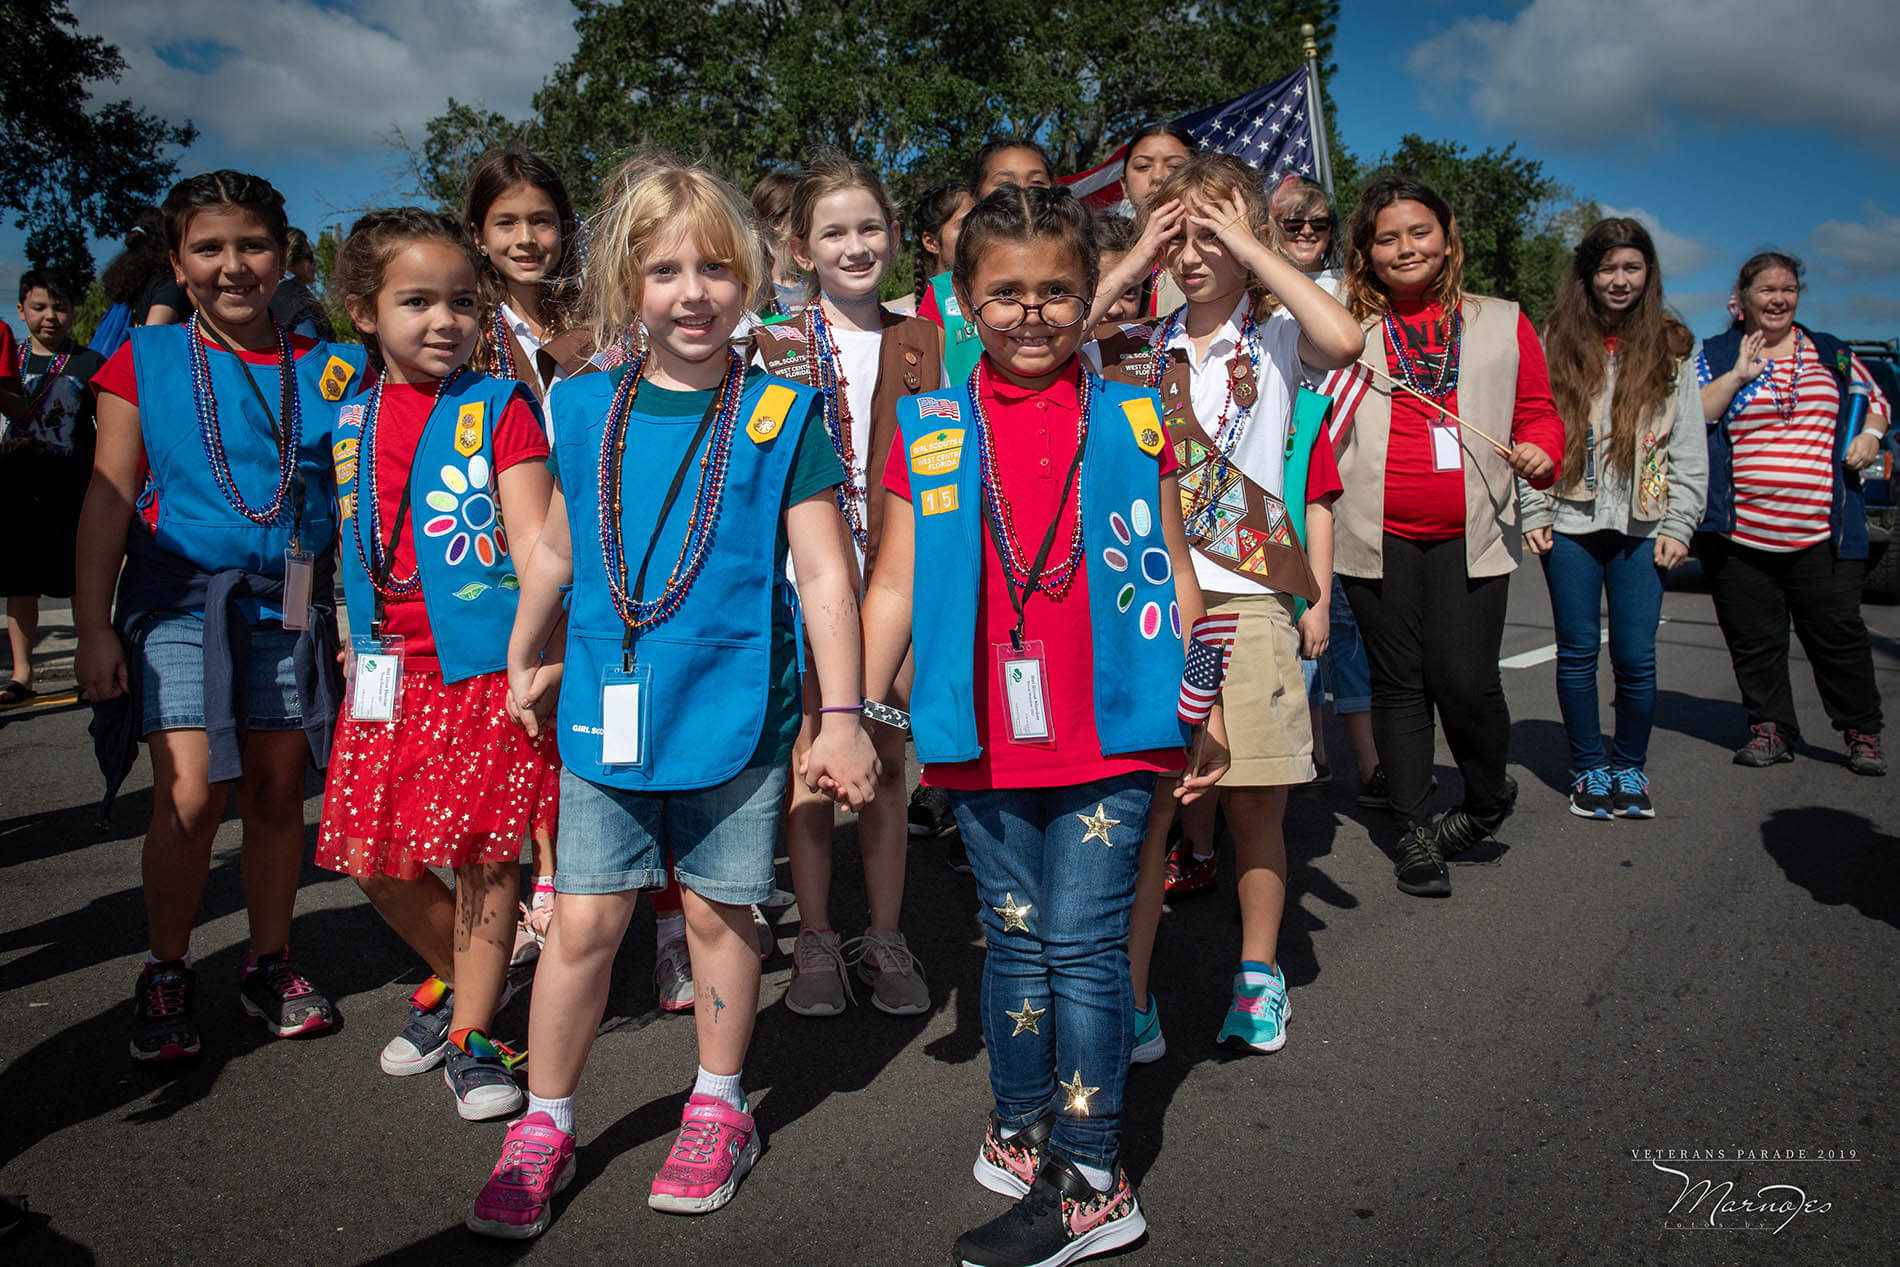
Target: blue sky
1727, 125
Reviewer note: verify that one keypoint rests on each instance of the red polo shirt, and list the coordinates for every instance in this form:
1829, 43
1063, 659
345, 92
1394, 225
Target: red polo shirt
1035, 443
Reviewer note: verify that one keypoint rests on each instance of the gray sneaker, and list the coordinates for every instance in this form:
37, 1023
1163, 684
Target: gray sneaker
673, 975
893, 973
819, 984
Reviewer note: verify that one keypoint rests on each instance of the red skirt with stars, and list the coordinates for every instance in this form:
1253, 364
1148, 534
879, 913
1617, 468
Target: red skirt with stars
451, 783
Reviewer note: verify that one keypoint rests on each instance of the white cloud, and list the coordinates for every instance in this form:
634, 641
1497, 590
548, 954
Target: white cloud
1869, 246
1595, 72
272, 78
1677, 254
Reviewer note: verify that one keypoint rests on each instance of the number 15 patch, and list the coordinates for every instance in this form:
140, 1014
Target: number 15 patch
939, 500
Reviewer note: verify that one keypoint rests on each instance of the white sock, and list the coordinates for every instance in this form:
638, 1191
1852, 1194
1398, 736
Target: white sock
153, 959
720, 1086
561, 1110
669, 928
1010, 1132
1098, 1178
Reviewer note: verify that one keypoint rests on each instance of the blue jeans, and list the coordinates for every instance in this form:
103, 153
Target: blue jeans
1342, 667
1579, 571
1056, 1002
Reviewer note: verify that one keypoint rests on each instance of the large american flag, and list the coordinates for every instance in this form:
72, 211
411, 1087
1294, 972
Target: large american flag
1270, 127
1210, 649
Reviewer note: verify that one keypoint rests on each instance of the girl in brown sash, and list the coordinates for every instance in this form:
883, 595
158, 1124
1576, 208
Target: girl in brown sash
861, 358
1228, 363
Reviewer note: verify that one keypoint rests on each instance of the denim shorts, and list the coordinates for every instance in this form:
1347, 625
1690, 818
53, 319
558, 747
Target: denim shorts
721, 840
1343, 672
172, 676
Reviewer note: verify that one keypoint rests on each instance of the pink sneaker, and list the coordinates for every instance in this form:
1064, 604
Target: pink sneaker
716, 1145
537, 1161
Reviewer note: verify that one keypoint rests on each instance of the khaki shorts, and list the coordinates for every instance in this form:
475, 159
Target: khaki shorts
1263, 699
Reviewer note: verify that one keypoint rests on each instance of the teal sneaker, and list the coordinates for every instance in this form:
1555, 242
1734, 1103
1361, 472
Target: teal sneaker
1256, 1020
1150, 1046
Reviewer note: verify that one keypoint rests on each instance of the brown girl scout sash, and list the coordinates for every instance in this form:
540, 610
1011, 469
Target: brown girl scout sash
1230, 519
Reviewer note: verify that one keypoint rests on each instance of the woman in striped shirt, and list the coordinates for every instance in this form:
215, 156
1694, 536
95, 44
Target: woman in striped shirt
1785, 536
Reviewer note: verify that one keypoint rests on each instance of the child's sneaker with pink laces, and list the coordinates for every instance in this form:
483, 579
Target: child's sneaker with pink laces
716, 1146
537, 1161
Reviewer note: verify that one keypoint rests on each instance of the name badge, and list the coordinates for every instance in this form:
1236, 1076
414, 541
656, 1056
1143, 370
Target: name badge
375, 691
298, 569
1025, 692
1446, 453
626, 701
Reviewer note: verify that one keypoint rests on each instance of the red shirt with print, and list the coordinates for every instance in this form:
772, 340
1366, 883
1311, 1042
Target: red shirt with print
1035, 444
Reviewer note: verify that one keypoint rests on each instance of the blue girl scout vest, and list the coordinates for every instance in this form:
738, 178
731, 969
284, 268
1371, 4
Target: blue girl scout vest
711, 662
189, 514
961, 347
1134, 622
468, 576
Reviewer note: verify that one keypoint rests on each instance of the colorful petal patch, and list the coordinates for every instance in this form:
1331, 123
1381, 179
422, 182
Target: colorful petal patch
1118, 526
1156, 566
1142, 518
439, 525
1125, 599
1115, 558
1150, 620
440, 501
455, 481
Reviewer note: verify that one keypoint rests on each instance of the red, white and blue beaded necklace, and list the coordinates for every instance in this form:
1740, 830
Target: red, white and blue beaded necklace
288, 430
47, 380
377, 561
1053, 583
837, 414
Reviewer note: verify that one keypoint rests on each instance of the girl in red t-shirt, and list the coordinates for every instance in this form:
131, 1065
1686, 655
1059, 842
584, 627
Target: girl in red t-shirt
449, 781
1426, 528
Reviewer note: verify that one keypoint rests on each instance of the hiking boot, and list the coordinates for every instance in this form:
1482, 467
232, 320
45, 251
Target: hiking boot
162, 1028
820, 985
1863, 753
1629, 798
277, 993
1007, 1164
893, 973
1420, 868
1590, 793
1770, 745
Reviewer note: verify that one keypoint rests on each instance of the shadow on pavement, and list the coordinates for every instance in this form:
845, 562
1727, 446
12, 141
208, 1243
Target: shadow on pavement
1714, 721
1542, 747
1840, 858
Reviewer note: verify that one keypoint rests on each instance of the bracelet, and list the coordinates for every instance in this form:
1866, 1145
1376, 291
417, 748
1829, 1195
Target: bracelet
895, 717
842, 708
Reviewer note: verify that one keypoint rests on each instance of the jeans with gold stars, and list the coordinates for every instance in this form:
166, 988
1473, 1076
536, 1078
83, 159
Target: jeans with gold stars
1055, 873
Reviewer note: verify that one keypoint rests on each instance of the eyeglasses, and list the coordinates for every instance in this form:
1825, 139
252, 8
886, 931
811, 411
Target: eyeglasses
1294, 224
1057, 312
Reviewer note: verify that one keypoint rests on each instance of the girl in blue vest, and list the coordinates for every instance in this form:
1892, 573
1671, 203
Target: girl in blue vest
1033, 560
1259, 479
212, 508
683, 482
442, 485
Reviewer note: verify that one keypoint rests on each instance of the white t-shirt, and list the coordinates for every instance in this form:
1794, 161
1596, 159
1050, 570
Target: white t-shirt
1260, 449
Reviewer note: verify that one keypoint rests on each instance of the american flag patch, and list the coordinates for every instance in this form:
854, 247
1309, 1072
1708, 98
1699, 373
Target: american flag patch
929, 408
786, 330
1347, 387
1210, 650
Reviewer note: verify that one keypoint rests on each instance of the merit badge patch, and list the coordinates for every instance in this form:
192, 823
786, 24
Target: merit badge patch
775, 405
336, 378
938, 500
937, 453
468, 429
345, 449
1146, 424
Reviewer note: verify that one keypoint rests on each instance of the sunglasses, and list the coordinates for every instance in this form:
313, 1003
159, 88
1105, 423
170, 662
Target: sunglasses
1318, 224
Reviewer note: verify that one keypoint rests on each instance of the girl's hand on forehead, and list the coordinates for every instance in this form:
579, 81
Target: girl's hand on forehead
1223, 217
1163, 223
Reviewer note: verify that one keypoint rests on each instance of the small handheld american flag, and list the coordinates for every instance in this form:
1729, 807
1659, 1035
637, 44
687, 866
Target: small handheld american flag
1210, 650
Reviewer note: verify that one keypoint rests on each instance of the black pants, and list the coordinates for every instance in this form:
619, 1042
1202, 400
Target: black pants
1757, 593
1432, 639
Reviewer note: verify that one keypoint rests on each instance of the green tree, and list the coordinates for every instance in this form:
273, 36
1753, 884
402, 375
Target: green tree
67, 172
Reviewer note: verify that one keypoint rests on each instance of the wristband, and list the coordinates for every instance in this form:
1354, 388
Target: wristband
896, 717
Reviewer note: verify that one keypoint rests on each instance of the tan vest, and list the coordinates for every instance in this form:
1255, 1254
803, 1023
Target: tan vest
909, 361
1487, 399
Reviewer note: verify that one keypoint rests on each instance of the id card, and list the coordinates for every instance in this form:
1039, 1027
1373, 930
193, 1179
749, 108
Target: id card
375, 689
1446, 453
626, 706
1025, 692
297, 573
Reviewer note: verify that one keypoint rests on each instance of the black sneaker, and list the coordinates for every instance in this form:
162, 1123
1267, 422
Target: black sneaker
1630, 798
1768, 746
162, 1028
1420, 868
1459, 829
1061, 1219
1863, 753
275, 992
1375, 793
1590, 793
484, 1088
930, 812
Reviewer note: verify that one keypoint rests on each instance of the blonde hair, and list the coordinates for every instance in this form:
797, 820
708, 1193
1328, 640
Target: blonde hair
1215, 177
649, 197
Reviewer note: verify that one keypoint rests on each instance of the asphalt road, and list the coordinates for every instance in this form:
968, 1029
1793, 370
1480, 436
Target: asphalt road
1473, 1080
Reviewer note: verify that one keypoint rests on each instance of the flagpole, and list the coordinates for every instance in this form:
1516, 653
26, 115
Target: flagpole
1316, 113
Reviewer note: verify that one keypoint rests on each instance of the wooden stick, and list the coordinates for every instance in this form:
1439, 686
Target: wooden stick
1503, 452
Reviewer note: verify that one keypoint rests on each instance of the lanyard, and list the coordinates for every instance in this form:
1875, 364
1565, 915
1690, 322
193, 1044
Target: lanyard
286, 377
382, 563
1034, 576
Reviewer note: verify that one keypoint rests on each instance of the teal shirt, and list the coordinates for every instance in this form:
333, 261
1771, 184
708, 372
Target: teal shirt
815, 468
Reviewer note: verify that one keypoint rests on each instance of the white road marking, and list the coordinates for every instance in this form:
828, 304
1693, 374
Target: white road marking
1542, 655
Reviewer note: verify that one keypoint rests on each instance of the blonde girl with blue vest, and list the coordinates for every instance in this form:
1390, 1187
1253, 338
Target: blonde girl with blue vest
1033, 562
442, 486
212, 510
1258, 483
863, 360
683, 482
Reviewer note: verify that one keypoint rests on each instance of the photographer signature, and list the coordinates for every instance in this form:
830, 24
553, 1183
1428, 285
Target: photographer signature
1726, 1211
